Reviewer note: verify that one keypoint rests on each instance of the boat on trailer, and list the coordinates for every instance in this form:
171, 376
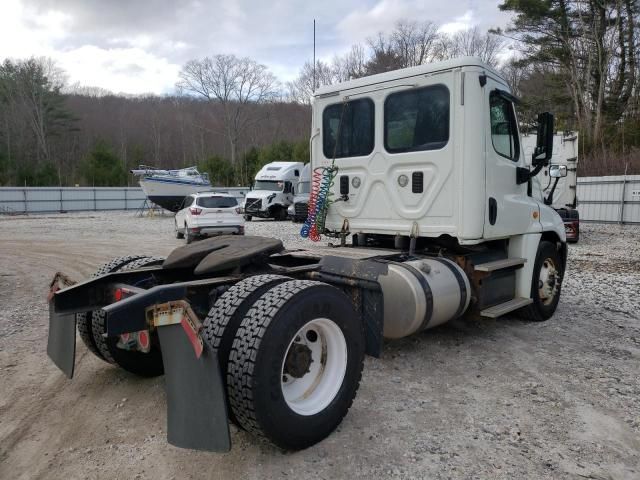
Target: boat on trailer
168, 188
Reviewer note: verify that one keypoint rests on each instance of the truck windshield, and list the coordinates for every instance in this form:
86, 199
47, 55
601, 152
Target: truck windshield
271, 185
217, 202
304, 187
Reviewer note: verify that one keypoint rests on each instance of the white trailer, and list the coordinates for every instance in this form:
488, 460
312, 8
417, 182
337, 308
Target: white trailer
272, 191
420, 176
560, 192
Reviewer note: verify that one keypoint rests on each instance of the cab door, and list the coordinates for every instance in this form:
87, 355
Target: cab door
508, 209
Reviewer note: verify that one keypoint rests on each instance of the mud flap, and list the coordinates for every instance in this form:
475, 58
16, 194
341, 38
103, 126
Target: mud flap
196, 406
61, 343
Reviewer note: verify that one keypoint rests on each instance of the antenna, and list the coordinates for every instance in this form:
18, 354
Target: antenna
313, 88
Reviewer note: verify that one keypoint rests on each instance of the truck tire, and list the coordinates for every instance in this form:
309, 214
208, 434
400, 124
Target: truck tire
223, 320
142, 364
546, 283
296, 363
83, 320
280, 214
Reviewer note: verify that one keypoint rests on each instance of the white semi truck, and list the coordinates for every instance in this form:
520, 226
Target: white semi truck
561, 193
298, 209
420, 176
272, 191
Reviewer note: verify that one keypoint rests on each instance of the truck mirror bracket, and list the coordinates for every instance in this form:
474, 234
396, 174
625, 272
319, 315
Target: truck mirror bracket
522, 175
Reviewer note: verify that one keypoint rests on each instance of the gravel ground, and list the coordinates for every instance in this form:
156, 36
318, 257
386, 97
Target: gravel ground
498, 399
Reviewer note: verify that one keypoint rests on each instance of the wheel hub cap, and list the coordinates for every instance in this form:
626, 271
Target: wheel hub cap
298, 360
548, 281
314, 366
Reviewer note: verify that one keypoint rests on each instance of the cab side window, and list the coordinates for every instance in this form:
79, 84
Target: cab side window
417, 120
504, 131
351, 126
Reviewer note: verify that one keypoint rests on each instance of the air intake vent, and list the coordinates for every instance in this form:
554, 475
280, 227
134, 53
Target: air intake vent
344, 185
417, 182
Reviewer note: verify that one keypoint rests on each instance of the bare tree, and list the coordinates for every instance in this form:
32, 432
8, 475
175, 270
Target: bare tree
414, 42
234, 83
301, 89
351, 65
473, 43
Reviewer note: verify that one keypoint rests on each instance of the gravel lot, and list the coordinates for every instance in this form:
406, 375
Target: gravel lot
492, 399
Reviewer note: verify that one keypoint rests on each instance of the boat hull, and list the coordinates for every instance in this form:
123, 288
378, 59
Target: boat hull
169, 194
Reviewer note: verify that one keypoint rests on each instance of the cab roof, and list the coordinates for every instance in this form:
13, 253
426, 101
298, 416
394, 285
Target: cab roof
406, 73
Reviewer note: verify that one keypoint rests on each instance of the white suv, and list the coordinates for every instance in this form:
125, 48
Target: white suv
210, 213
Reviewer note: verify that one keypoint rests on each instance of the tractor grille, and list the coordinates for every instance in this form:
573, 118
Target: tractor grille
253, 204
301, 209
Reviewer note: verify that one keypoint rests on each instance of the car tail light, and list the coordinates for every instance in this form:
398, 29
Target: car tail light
195, 211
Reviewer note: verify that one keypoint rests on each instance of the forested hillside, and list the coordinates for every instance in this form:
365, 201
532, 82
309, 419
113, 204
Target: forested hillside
230, 115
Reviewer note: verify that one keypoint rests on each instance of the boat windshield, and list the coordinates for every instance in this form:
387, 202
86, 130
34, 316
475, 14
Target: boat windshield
270, 185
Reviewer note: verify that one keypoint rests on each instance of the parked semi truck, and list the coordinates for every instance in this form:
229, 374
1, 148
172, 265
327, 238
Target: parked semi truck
420, 182
298, 210
272, 191
560, 192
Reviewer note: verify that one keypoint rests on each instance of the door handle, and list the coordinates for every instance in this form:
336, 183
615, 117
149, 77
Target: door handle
493, 210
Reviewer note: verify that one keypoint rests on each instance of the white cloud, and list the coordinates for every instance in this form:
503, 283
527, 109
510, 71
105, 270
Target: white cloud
131, 69
464, 22
138, 46
127, 70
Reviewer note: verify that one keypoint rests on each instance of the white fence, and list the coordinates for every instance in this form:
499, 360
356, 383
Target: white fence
612, 199
15, 200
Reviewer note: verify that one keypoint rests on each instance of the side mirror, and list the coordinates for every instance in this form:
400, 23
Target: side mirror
544, 142
557, 171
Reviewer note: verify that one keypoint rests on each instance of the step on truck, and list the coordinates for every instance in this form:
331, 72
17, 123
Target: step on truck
273, 191
421, 187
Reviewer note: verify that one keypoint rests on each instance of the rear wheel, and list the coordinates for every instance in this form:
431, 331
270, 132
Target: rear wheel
144, 364
546, 283
179, 234
221, 325
296, 363
84, 320
248, 217
188, 235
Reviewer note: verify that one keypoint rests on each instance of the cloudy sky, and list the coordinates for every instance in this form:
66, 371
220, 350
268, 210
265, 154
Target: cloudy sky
138, 46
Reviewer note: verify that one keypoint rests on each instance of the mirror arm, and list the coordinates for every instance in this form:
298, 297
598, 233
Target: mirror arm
524, 174
549, 199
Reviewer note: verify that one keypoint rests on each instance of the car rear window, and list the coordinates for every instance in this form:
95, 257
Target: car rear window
217, 202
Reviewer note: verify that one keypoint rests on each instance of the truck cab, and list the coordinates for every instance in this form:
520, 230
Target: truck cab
298, 209
432, 150
273, 190
432, 155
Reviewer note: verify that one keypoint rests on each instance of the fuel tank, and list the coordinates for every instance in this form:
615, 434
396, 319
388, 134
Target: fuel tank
421, 294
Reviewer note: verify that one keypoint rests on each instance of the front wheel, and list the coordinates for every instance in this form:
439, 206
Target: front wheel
296, 363
548, 272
